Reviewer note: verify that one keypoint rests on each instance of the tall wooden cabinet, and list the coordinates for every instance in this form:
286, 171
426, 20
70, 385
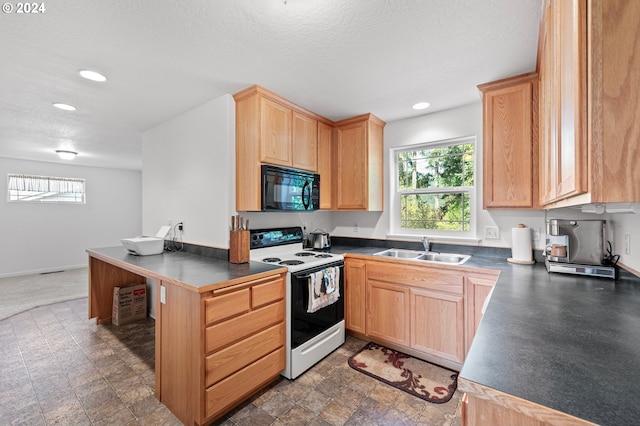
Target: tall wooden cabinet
510, 142
589, 108
359, 164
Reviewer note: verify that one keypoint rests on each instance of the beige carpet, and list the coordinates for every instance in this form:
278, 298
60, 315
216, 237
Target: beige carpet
21, 293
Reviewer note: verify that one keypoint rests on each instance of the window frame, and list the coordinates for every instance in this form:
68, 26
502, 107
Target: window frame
43, 198
395, 193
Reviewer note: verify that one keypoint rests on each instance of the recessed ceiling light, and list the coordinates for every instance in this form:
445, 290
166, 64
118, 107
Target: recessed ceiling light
65, 107
92, 75
66, 155
421, 105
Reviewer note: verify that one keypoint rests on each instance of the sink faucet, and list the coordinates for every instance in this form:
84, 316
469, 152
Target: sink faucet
426, 243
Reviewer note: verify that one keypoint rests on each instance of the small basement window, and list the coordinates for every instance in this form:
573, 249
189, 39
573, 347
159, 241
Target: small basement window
45, 189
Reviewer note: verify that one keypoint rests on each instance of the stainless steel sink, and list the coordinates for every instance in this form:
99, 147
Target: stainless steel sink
400, 253
457, 259
424, 256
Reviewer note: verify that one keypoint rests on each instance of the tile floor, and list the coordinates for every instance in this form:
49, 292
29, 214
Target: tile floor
57, 367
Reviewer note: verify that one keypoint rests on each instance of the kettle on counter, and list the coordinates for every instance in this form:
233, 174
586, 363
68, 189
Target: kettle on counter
319, 240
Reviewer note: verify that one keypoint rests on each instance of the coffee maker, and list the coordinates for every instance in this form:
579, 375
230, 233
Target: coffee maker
577, 247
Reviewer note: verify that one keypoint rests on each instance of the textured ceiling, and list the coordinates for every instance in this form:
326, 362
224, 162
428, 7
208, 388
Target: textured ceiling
337, 58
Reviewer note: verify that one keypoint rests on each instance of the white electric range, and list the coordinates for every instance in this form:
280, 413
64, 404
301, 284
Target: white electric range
309, 336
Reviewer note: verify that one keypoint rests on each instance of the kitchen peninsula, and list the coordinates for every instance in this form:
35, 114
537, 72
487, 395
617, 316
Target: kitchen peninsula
219, 326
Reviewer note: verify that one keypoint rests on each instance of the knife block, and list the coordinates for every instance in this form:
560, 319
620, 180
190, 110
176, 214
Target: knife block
239, 246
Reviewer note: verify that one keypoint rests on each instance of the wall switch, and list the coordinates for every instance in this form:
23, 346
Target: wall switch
491, 232
627, 244
163, 294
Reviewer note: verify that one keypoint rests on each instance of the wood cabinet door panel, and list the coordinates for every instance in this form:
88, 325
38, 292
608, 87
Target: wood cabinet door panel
388, 312
437, 324
275, 133
305, 142
355, 295
351, 167
508, 145
325, 165
478, 289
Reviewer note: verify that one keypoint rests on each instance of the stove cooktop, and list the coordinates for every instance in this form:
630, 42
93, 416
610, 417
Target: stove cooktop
283, 246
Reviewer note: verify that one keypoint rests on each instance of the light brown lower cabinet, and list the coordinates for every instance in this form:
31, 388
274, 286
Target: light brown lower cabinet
483, 406
388, 312
437, 321
420, 309
218, 348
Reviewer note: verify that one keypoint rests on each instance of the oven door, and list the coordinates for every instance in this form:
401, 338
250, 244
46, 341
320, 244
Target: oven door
305, 326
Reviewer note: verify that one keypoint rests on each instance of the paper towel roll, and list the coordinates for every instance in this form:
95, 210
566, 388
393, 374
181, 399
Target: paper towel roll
521, 248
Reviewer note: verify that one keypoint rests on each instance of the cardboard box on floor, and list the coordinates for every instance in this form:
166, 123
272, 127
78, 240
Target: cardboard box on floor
129, 303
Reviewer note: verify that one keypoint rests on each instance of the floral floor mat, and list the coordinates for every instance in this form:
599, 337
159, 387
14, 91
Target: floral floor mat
419, 378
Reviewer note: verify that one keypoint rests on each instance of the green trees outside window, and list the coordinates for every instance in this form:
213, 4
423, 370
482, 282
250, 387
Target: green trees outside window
434, 185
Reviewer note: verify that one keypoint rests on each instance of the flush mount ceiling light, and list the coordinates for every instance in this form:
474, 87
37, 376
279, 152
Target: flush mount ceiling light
92, 75
66, 155
65, 107
421, 105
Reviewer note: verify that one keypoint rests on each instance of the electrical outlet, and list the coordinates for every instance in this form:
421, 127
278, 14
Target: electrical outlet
355, 227
181, 226
627, 244
491, 232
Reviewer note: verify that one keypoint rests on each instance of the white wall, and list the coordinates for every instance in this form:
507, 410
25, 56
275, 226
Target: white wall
621, 224
49, 237
188, 173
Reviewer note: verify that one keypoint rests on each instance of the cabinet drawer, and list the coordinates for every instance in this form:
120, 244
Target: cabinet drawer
415, 276
227, 305
225, 394
222, 334
263, 294
229, 360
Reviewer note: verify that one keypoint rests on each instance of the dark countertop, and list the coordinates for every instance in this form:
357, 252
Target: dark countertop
567, 342
198, 273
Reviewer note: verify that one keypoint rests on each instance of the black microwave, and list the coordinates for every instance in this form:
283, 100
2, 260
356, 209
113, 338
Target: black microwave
289, 189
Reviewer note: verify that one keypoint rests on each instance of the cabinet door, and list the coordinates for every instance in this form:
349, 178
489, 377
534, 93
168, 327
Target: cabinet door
275, 133
325, 164
351, 167
509, 149
564, 143
478, 289
355, 295
305, 142
438, 324
388, 315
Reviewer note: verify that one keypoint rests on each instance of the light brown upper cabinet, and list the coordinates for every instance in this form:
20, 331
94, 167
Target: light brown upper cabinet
359, 164
325, 165
588, 61
271, 130
510, 142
